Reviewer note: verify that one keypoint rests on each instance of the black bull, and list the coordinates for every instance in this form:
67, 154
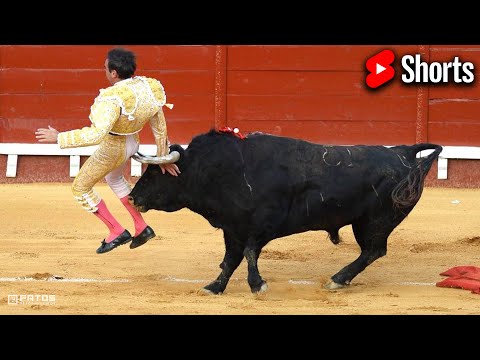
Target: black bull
265, 187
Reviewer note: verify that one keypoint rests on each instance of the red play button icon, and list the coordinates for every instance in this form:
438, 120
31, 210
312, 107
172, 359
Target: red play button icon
379, 67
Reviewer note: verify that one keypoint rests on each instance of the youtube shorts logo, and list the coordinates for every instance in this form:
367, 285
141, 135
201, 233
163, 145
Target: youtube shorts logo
379, 67
417, 71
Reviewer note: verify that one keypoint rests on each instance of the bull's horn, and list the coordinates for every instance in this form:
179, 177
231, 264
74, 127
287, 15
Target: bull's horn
166, 159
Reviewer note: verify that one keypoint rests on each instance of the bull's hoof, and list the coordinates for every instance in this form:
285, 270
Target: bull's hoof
263, 287
332, 285
214, 288
204, 291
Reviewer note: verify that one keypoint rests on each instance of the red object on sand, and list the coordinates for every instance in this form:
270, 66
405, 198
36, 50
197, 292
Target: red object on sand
463, 277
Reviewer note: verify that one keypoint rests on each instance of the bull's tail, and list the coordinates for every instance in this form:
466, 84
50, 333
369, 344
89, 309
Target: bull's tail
408, 191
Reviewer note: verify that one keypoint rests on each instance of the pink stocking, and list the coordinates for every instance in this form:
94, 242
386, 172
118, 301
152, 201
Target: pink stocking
104, 214
140, 224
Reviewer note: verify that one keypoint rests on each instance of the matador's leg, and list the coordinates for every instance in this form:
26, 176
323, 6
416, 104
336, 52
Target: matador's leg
119, 185
109, 155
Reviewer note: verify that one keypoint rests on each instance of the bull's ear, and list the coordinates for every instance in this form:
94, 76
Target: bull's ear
176, 147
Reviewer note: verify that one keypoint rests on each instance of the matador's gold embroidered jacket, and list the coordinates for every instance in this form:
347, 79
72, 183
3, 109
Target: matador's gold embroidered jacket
123, 109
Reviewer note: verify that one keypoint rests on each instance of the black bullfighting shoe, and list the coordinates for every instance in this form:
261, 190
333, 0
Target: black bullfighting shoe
121, 239
142, 238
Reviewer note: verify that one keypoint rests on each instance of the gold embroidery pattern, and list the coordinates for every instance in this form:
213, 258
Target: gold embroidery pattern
110, 154
159, 130
122, 109
89, 201
103, 115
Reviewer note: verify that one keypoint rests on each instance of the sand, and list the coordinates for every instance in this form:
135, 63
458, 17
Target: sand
47, 254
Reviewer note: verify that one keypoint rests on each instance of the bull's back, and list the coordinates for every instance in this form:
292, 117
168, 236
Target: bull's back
277, 163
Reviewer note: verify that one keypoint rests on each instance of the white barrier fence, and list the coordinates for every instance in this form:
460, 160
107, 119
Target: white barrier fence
13, 150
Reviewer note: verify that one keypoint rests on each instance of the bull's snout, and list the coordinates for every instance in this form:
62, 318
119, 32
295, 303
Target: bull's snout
138, 204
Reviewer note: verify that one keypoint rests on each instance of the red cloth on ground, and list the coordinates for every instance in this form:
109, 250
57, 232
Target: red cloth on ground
463, 277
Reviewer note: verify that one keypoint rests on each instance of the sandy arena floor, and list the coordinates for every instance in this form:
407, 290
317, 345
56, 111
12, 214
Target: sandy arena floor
45, 234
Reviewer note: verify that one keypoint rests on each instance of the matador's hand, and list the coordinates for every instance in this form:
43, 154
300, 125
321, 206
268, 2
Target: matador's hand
47, 135
172, 169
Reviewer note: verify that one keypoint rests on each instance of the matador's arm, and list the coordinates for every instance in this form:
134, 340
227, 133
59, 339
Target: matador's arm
103, 115
159, 130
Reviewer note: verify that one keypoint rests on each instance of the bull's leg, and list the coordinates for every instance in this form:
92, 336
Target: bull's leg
233, 257
266, 223
372, 238
257, 284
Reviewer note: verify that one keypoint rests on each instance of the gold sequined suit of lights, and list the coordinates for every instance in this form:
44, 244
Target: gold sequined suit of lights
122, 109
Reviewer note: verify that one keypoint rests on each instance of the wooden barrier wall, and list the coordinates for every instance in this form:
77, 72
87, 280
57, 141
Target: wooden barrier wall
316, 92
